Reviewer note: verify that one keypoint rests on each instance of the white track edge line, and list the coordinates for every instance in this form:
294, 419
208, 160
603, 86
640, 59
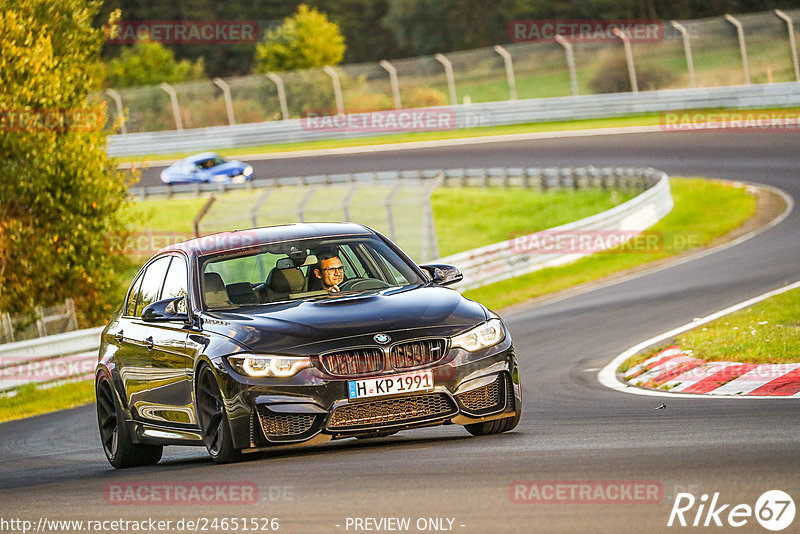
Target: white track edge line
608, 374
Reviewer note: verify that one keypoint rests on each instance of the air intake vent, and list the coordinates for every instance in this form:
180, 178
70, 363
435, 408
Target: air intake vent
354, 362
417, 353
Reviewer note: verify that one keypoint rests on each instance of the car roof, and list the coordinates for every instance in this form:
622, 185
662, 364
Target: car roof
244, 239
202, 156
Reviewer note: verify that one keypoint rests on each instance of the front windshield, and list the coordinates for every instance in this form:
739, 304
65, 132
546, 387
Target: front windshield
303, 269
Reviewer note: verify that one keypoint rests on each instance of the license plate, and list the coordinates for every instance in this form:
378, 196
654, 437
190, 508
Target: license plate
390, 385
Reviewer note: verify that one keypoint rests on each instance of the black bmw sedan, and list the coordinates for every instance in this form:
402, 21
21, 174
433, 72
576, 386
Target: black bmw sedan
296, 334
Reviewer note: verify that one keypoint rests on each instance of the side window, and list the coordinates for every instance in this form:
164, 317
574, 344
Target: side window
351, 263
176, 283
152, 283
133, 296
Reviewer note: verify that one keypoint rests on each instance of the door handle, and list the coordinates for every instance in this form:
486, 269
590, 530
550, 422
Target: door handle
119, 336
149, 342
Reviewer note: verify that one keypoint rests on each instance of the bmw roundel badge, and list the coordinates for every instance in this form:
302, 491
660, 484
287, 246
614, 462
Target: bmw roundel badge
383, 339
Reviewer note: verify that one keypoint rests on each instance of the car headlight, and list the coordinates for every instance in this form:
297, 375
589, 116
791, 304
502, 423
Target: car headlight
248, 171
263, 365
484, 335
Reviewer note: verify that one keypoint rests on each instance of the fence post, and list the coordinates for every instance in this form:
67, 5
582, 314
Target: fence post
742, 46
337, 88
629, 57
430, 245
512, 84
451, 79
687, 50
8, 327
201, 214
573, 76
281, 94
173, 98
389, 215
40, 327
388, 67
226, 92
257, 206
790, 25
73, 318
302, 205
120, 112
347, 200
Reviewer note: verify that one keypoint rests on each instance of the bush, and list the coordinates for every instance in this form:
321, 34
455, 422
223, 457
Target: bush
613, 77
422, 97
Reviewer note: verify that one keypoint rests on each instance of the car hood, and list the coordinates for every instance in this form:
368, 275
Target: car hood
316, 325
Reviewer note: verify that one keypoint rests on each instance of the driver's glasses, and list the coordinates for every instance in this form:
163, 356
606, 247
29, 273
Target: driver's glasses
340, 269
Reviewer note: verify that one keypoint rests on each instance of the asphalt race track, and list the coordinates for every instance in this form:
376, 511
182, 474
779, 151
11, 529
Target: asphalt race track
573, 429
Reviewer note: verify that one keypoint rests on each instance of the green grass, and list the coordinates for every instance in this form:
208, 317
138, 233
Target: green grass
470, 218
704, 210
30, 400
458, 228
767, 332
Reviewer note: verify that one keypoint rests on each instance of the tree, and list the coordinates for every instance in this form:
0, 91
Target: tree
306, 39
60, 195
149, 63
362, 24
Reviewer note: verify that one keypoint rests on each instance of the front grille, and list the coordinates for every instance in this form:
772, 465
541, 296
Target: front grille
488, 397
283, 424
391, 411
416, 353
354, 361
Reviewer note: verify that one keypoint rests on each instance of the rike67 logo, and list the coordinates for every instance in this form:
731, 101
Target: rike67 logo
774, 510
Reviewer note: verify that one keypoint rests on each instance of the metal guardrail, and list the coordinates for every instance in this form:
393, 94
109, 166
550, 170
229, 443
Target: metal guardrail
73, 355
540, 178
67, 356
484, 114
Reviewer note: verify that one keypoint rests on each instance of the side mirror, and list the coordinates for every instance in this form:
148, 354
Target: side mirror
443, 275
164, 310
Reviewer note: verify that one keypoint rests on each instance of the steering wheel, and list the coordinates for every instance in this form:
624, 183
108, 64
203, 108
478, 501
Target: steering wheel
363, 284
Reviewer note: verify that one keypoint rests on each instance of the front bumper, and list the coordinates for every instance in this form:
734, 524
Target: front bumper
468, 388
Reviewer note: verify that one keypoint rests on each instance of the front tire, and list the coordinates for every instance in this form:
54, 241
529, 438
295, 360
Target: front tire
213, 419
118, 446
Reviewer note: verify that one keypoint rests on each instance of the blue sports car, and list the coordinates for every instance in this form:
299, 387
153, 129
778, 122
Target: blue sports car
208, 167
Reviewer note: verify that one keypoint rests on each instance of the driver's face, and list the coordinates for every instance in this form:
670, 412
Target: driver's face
332, 272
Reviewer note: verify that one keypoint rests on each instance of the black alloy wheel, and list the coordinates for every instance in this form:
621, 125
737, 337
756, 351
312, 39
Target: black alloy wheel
118, 446
213, 420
